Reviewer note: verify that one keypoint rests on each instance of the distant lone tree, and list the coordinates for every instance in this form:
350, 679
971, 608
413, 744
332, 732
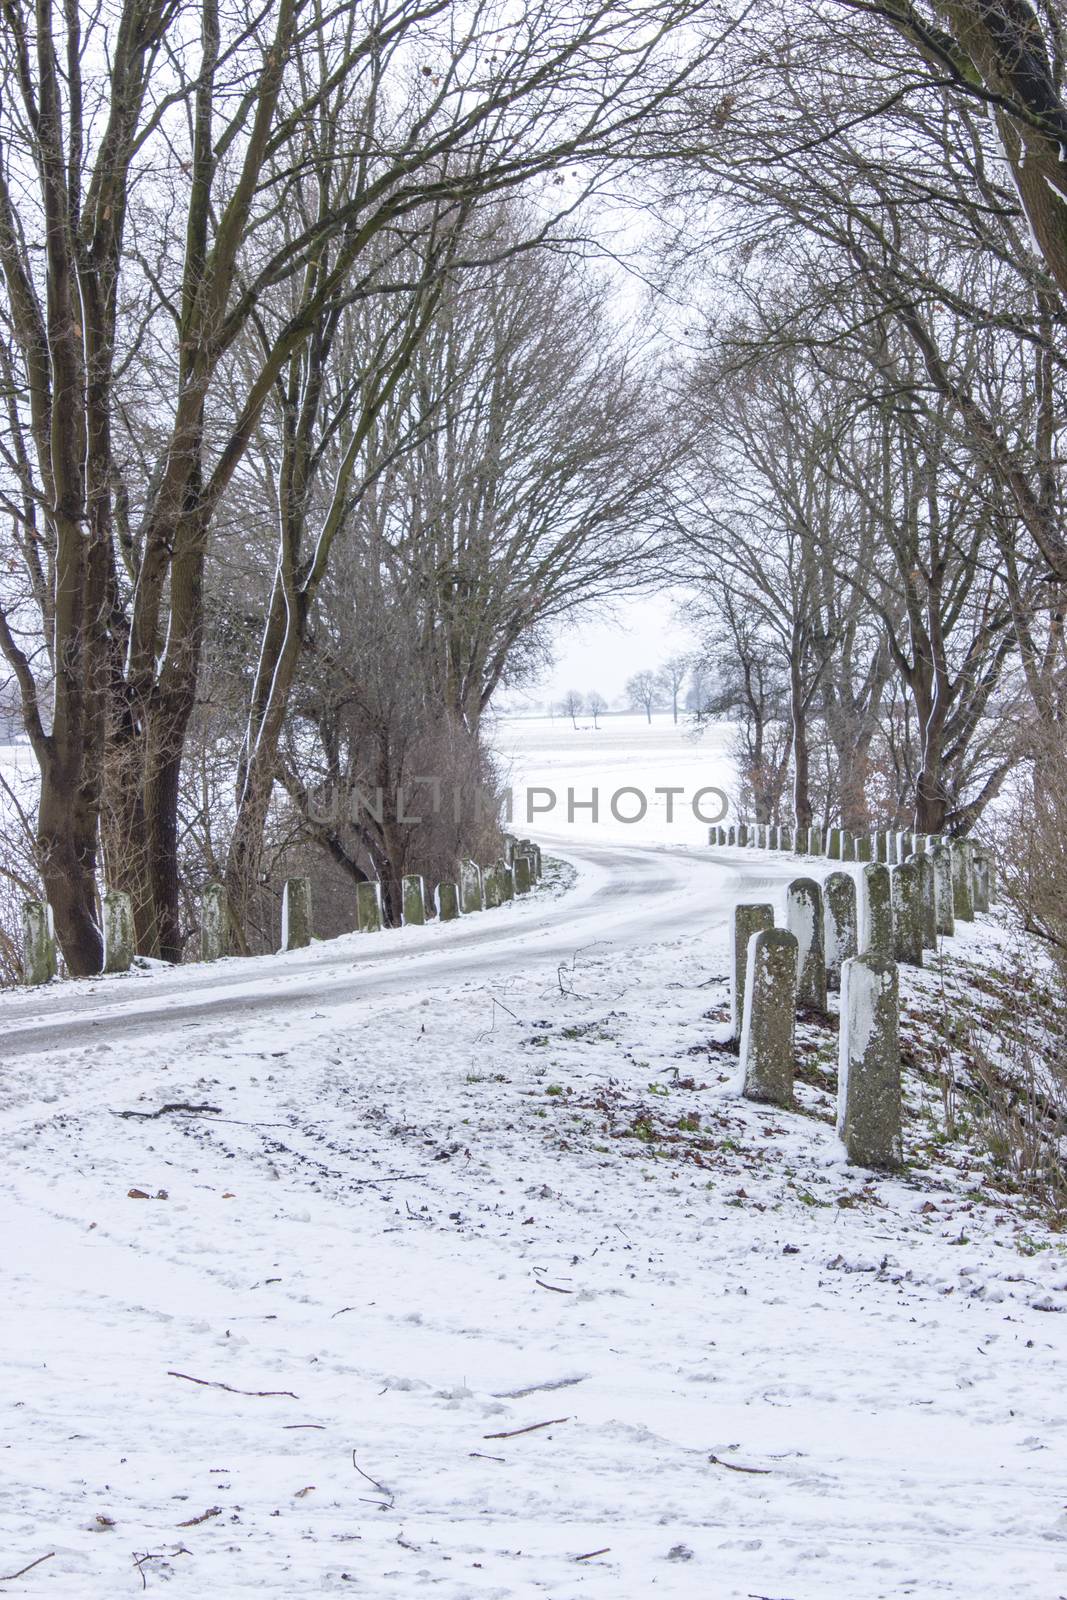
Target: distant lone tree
641, 692
672, 675
596, 705
572, 704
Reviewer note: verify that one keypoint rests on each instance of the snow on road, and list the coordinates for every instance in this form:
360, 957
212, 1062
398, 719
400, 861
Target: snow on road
468, 1277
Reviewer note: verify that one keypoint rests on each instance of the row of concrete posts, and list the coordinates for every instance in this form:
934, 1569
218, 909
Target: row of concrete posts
834, 939
478, 888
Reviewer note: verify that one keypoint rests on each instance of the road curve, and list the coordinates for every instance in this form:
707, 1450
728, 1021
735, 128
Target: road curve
623, 895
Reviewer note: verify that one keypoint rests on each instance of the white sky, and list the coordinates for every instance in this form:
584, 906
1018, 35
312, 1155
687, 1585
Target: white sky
596, 652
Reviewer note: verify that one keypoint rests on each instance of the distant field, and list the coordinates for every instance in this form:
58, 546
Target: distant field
624, 753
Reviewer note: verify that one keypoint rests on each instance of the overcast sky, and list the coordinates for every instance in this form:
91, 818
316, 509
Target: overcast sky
599, 653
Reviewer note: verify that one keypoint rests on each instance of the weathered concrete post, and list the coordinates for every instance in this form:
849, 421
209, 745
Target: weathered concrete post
876, 932
924, 866
833, 844
868, 1071
522, 867
785, 837
881, 846
742, 833
848, 847
491, 889
768, 1027
864, 847
470, 887
749, 919
296, 913
805, 921
38, 942
892, 854
841, 932
368, 907
120, 940
731, 835
214, 923
962, 880
507, 881
980, 872
907, 915
447, 900
941, 857
414, 900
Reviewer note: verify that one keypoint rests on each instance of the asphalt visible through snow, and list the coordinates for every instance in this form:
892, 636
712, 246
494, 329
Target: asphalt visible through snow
623, 896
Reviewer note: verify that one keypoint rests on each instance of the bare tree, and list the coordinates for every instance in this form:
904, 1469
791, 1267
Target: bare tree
672, 675
642, 690
571, 705
596, 705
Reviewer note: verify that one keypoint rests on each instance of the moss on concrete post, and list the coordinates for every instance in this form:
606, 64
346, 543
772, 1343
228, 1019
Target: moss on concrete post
941, 857
507, 881
748, 920
980, 864
806, 922
864, 847
470, 887
833, 844
924, 866
368, 907
214, 923
881, 846
768, 1049
840, 925
522, 868
120, 940
413, 900
876, 923
785, 837
907, 915
492, 886
868, 1072
742, 834
731, 835
38, 943
296, 914
892, 851
848, 847
447, 900
962, 880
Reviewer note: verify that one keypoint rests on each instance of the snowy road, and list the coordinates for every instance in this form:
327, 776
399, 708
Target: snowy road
623, 897
464, 1275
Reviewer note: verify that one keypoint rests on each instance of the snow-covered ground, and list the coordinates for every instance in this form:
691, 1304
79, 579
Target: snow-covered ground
455, 1269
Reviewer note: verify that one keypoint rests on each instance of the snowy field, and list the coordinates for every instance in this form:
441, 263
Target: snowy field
443, 1262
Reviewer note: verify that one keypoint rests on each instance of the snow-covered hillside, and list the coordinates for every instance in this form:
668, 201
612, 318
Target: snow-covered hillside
445, 1262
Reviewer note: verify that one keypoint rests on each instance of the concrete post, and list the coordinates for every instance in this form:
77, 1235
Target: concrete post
907, 915
941, 856
864, 847
742, 834
522, 867
881, 846
296, 913
841, 932
876, 928
868, 1073
368, 907
980, 876
214, 923
833, 844
769, 1024
805, 921
120, 940
848, 847
38, 942
749, 919
447, 900
413, 899
924, 866
470, 887
962, 880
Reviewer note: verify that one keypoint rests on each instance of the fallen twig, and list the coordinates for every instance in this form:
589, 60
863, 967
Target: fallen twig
553, 1286
478, 1455
513, 1433
11, 1576
286, 1426
589, 1554
255, 1394
172, 1105
761, 1472
388, 1494
194, 1522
